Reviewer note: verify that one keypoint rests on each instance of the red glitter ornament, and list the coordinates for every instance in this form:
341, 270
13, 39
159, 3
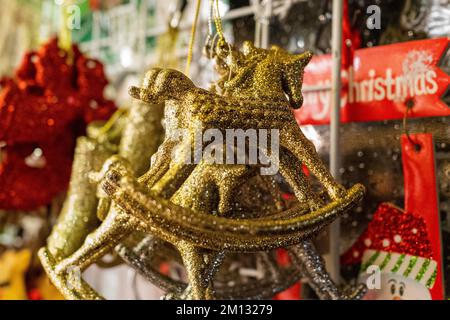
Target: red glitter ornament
392, 230
29, 179
44, 107
49, 94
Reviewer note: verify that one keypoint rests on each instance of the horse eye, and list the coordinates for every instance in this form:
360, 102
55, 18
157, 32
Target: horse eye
5, 284
392, 288
401, 290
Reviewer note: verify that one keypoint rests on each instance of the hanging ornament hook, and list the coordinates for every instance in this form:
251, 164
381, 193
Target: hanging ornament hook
65, 33
409, 105
215, 28
192, 40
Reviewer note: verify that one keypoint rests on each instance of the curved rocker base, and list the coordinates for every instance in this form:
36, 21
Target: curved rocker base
69, 282
162, 217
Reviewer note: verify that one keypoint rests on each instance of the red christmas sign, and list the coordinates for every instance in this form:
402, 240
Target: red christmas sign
379, 83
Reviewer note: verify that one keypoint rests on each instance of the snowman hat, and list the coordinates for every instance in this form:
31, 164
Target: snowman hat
397, 242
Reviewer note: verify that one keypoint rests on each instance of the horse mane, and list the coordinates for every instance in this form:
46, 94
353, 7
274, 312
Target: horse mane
279, 73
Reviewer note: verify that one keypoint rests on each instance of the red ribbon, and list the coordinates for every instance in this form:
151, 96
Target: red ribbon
421, 195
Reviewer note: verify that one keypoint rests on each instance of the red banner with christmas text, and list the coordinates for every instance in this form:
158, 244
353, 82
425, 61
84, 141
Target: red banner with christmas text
379, 83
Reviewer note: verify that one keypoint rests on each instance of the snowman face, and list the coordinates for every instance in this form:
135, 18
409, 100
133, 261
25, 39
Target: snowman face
397, 287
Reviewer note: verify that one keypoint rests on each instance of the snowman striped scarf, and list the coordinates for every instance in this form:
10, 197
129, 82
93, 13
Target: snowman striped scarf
420, 269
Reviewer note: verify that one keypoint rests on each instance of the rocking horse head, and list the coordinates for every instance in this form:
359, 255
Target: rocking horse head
266, 74
160, 85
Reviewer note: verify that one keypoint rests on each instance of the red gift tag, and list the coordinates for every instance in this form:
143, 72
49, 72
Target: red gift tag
421, 196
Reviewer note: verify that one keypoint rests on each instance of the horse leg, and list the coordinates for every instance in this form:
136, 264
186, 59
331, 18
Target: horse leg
196, 267
313, 269
304, 253
201, 264
292, 172
293, 139
172, 179
113, 229
160, 163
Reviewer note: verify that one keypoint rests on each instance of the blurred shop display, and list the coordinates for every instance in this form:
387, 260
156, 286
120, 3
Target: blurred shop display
19, 31
394, 86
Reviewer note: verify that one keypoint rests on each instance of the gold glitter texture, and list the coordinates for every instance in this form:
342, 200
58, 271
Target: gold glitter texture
191, 205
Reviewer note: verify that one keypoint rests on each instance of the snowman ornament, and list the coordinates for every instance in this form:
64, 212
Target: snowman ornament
400, 276
395, 255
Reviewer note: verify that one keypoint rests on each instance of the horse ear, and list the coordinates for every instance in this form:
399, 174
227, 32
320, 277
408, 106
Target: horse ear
274, 47
301, 59
134, 92
247, 47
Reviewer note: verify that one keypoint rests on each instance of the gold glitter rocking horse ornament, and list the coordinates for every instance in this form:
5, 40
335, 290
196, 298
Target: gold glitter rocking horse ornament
190, 205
